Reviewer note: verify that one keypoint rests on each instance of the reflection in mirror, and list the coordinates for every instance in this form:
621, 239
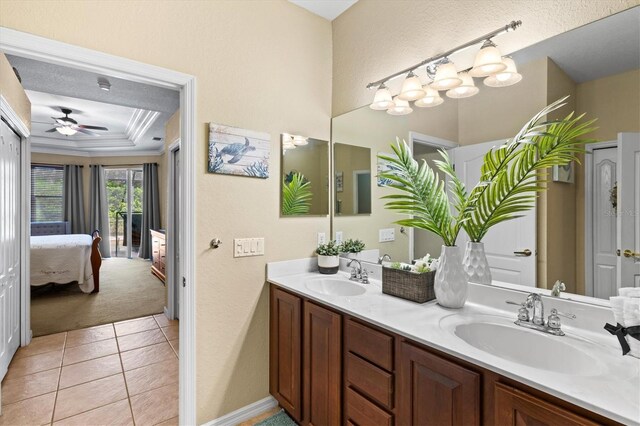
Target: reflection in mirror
352, 168
589, 213
305, 176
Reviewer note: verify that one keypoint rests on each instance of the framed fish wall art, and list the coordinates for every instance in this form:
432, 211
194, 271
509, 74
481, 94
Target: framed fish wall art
239, 152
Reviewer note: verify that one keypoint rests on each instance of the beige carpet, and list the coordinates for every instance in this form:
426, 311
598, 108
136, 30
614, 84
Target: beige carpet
127, 290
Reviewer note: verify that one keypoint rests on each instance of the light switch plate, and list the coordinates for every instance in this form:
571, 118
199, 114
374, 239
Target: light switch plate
386, 235
322, 238
339, 237
244, 247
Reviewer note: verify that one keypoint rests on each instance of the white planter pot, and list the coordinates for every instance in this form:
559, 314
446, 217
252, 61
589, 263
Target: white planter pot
328, 264
451, 282
475, 263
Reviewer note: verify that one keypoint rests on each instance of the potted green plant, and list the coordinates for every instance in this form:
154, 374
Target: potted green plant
352, 248
511, 177
328, 257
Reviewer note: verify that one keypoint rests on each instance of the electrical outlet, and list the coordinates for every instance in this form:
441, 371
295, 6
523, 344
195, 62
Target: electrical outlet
244, 247
386, 235
322, 238
339, 237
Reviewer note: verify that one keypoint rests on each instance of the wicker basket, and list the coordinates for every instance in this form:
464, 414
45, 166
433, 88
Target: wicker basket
408, 285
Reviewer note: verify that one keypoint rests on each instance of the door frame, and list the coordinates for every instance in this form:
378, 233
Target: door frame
356, 173
43, 49
433, 141
7, 111
588, 211
170, 309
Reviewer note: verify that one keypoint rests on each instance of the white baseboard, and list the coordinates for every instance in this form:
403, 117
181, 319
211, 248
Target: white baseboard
244, 413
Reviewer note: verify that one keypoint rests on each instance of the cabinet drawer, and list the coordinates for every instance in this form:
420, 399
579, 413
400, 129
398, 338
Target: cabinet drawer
360, 411
370, 344
370, 380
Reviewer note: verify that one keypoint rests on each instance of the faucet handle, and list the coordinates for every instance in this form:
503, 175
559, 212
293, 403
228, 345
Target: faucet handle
554, 311
553, 322
523, 312
510, 302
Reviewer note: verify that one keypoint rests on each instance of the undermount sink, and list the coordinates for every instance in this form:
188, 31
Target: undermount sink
335, 287
531, 348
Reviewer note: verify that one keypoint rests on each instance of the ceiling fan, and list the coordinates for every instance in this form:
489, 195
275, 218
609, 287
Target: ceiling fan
68, 126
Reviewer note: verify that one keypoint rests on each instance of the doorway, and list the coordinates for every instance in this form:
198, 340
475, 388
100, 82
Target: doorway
124, 196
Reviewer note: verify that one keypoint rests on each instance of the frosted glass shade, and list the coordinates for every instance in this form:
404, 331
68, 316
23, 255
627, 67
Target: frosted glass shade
446, 77
382, 100
67, 131
411, 88
300, 140
466, 89
504, 78
401, 107
488, 61
431, 99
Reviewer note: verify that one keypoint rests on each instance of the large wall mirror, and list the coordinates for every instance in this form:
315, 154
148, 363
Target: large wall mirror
304, 180
582, 225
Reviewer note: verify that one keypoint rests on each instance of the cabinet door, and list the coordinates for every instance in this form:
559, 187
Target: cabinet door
285, 353
322, 366
434, 391
518, 408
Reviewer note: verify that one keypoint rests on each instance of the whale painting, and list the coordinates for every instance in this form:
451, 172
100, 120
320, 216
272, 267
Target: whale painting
240, 152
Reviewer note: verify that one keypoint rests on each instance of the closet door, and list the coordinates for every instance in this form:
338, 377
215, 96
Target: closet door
9, 245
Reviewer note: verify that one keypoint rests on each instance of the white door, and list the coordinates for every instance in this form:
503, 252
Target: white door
629, 209
510, 246
604, 262
10, 147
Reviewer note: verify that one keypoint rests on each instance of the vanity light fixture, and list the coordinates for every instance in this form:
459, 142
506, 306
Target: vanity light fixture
411, 88
400, 107
446, 76
383, 100
300, 140
504, 78
466, 89
488, 63
431, 99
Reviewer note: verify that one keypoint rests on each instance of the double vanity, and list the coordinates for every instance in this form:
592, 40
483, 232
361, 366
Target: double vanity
341, 352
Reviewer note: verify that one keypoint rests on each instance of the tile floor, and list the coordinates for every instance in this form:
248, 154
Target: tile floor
124, 373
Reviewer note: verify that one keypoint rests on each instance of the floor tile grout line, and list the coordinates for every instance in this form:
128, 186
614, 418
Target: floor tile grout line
126, 385
55, 399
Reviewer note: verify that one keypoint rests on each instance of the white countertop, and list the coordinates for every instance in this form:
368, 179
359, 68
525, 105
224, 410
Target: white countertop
613, 389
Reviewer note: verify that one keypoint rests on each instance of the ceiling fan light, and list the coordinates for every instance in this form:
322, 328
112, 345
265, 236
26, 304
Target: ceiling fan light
401, 107
466, 89
411, 88
431, 99
508, 77
488, 61
382, 100
446, 77
67, 131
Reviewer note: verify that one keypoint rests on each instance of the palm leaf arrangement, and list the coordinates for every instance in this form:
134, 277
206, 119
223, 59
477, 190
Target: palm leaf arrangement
511, 177
296, 195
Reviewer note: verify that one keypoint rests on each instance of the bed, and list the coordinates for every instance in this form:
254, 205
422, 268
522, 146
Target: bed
65, 258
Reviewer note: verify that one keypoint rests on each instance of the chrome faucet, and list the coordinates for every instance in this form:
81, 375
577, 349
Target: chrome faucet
358, 273
383, 258
536, 320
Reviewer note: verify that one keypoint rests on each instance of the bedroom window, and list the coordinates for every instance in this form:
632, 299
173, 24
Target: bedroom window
46, 193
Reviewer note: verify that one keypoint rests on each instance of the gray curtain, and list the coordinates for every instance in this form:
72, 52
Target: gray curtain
74, 199
150, 207
99, 208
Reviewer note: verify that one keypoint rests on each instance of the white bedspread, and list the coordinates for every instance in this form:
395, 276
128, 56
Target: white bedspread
62, 259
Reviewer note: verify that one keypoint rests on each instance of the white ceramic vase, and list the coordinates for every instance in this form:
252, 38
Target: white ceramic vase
328, 264
451, 281
475, 263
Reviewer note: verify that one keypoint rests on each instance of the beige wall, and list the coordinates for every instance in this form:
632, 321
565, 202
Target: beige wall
13, 92
375, 38
260, 65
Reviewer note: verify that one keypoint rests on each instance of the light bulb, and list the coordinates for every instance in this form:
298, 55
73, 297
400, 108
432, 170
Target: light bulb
431, 99
488, 61
411, 88
67, 131
382, 99
507, 77
446, 77
466, 89
400, 107
300, 140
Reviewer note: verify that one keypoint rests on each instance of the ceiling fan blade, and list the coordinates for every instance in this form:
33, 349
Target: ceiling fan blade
86, 132
51, 130
82, 126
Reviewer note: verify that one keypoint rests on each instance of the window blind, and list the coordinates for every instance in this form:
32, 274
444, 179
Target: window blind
46, 193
